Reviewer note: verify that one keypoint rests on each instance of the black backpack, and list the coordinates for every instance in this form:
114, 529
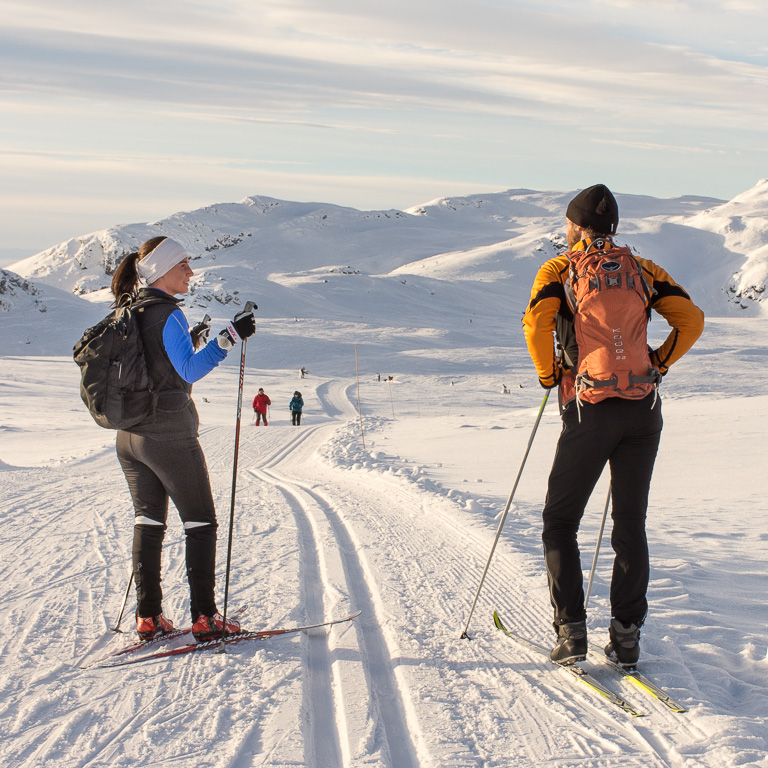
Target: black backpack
115, 384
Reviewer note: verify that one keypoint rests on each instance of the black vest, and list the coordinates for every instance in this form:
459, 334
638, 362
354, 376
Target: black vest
176, 415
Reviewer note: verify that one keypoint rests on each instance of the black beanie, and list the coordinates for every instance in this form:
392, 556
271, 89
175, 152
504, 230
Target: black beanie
595, 208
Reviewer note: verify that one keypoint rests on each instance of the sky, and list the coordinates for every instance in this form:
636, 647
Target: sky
122, 112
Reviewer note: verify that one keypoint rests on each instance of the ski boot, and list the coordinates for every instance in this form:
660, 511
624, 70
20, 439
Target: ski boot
207, 627
571, 643
152, 626
624, 645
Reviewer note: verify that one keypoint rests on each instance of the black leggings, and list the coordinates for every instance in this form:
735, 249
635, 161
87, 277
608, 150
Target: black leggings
156, 471
624, 433
295, 418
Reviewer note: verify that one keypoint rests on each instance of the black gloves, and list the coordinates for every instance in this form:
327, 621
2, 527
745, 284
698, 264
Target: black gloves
242, 327
654, 355
552, 381
245, 324
200, 331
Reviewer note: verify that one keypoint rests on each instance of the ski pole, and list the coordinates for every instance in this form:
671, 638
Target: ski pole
597, 548
116, 628
222, 648
464, 635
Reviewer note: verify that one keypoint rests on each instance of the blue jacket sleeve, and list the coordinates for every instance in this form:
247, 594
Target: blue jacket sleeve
190, 365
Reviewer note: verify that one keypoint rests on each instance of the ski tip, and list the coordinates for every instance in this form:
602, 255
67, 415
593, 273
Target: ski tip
331, 622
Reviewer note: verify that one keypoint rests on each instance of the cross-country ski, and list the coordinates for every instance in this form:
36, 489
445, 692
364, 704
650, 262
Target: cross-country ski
574, 670
168, 646
636, 677
147, 646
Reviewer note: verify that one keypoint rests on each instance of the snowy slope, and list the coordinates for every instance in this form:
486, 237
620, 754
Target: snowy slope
434, 267
268, 245
743, 225
40, 319
393, 514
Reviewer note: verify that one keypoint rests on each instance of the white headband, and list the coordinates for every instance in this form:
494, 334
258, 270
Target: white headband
160, 261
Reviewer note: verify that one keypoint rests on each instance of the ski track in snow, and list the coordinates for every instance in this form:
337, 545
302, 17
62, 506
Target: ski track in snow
316, 536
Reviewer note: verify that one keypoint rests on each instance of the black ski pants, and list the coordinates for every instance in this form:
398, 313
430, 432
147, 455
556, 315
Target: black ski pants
157, 470
295, 418
625, 434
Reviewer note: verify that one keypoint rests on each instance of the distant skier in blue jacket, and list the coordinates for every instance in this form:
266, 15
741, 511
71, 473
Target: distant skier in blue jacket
296, 405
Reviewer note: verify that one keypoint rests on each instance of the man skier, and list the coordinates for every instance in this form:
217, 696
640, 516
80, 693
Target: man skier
260, 404
602, 422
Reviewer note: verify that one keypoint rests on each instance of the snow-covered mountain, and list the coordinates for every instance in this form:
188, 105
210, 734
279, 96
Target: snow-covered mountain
476, 238
38, 318
462, 257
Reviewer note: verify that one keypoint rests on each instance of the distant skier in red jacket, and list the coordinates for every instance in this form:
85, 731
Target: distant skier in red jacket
260, 403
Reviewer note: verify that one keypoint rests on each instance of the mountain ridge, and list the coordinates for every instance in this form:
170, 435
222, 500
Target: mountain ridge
471, 257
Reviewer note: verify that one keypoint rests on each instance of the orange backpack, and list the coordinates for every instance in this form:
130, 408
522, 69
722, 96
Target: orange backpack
610, 301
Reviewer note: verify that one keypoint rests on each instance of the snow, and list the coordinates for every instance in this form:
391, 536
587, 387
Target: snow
393, 513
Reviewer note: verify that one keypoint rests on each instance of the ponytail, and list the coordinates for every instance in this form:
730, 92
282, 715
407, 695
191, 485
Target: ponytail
125, 281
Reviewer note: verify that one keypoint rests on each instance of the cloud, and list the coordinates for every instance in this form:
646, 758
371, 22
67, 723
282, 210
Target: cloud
493, 91
307, 82
656, 147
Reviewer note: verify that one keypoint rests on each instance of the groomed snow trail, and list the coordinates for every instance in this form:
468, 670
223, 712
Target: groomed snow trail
317, 535
409, 560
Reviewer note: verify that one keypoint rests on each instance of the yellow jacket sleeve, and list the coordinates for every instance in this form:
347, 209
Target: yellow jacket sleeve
675, 306
547, 299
